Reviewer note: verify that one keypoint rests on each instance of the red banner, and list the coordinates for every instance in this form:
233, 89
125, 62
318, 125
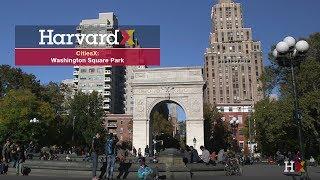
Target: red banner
87, 57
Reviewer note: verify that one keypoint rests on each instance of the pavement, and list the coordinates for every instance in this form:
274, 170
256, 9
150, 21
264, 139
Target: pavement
253, 172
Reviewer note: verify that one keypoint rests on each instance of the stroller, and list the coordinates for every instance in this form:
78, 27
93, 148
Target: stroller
233, 167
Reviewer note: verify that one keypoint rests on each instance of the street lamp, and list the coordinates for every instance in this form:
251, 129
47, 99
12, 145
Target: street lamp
234, 123
288, 54
34, 120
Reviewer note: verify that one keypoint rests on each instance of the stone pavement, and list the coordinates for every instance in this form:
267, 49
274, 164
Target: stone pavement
254, 172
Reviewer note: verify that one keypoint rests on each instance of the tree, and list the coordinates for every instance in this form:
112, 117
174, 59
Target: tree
216, 133
275, 127
86, 116
17, 108
14, 78
161, 125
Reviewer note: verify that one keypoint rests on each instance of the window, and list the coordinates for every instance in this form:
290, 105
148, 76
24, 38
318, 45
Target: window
91, 70
100, 70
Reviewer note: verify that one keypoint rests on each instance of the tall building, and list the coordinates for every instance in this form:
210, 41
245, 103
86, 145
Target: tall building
113, 83
232, 67
233, 60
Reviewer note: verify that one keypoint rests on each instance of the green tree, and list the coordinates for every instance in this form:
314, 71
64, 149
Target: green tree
15, 78
160, 124
18, 107
275, 127
216, 133
86, 114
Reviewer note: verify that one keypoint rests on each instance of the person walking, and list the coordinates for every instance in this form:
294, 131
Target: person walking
94, 154
13, 154
6, 152
125, 163
110, 151
21, 158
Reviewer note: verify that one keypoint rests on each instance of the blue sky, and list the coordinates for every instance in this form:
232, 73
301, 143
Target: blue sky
185, 24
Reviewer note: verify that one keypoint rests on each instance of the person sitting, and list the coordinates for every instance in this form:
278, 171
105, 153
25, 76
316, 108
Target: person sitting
124, 162
205, 158
213, 158
145, 172
312, 161
194, 157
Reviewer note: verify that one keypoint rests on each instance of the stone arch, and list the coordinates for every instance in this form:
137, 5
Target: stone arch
183, 86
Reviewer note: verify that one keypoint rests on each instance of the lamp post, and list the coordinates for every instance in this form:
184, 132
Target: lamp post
234, 123
194, 142
34, 121
288, 54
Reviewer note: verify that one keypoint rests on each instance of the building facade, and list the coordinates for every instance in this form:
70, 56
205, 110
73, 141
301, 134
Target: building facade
233, 60
232, 67
120, 125
108, 81
112, 83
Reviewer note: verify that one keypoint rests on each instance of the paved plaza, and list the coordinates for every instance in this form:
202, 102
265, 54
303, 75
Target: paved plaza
255, 172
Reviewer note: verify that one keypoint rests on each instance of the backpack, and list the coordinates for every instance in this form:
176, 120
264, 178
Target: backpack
3, 168
25, 171
110, 147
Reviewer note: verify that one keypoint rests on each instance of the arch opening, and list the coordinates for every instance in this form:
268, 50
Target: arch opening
167, 124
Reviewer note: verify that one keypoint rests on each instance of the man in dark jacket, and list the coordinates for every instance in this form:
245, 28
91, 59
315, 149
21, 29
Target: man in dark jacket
6, 151
110, 151
95, 153
194, 157
20, 158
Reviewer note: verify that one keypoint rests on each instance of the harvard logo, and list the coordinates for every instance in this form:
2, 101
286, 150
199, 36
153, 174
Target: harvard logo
294, 167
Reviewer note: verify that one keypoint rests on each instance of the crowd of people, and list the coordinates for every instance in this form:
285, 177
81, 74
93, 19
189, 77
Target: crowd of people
111, 150
12, 152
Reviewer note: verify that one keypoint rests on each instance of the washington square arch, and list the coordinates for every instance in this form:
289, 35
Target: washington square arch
180, 85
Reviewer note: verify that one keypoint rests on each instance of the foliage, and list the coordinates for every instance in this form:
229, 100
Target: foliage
217, 135
14, 78
274, 124
161, 125
86, 114
18, 107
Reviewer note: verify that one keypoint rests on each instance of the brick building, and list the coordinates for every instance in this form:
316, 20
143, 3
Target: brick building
119, 124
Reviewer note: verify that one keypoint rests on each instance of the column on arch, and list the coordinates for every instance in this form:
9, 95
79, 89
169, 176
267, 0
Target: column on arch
140, 138
194, 129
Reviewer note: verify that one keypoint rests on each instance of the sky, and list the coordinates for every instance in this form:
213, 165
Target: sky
185, 24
